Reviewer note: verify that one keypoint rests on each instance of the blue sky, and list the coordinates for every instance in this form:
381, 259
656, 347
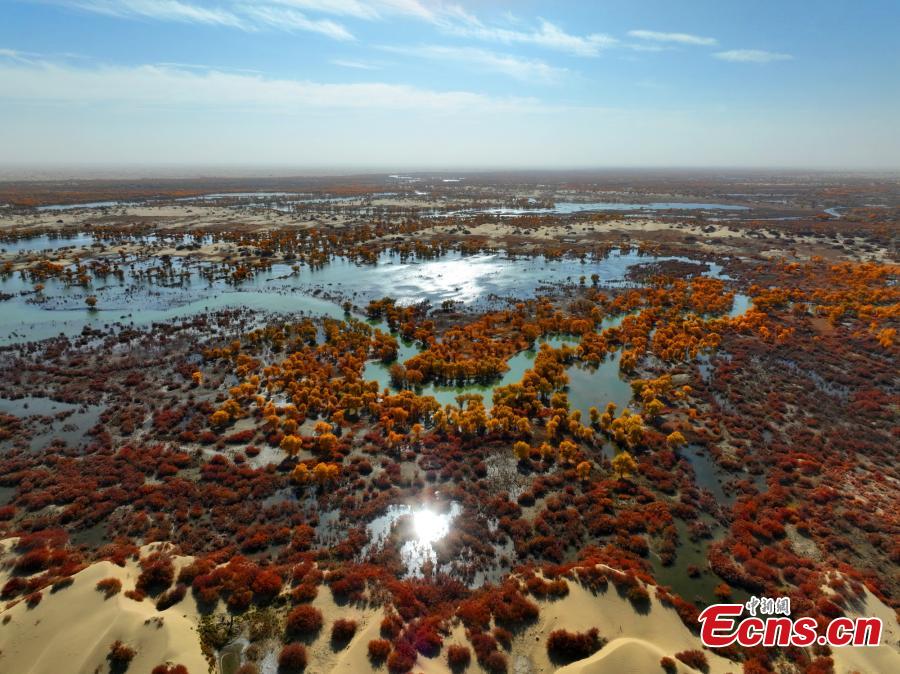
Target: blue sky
422, 83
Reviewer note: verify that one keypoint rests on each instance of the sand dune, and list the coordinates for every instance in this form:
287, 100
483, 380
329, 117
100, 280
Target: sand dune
71, 630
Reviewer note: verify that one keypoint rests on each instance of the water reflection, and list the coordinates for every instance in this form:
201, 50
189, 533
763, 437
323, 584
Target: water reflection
481, 281
427, 527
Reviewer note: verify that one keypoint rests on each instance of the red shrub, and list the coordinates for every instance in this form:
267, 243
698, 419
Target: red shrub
304, 592
266, 585
120, 655
391, 625
109, 586
292, 658
495, 663
171, 597
157, 573
379, 649
565, 647
169, 669
668, 665
694, 658
342, 630
458, 657
304, 620
33, 561
136, 595
402, 658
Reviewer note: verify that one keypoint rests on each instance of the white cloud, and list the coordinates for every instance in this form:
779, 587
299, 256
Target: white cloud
245, 16
751, 56
548, 35
14, 55
289, 19
174, 87
353, 8
358, 65
526, 70
161, 10
679, 38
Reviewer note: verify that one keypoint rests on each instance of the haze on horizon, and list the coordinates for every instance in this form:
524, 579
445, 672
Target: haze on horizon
373, 84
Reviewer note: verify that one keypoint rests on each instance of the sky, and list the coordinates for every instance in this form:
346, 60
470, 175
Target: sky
407, 84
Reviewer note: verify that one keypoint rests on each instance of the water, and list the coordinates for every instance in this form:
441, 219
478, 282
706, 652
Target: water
72, 429
707, 474
740, 305
567, 208
45, 242
30, 406
699, 589
91, 204
588, 386
428, 526
469, 279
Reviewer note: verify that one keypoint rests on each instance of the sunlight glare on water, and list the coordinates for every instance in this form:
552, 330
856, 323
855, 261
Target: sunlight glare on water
429, 526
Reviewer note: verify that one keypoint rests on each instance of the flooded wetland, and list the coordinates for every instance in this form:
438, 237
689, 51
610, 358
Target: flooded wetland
440, 411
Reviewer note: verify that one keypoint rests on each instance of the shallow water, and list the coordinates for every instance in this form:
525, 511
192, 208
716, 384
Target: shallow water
566, 208
428, 527
72, 429
588, 386
474, 280
699, 589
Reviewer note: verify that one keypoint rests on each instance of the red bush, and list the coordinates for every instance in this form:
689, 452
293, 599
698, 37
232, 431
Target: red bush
304, 620
169, 669
668, 665
171, 597
267, 585
157, 573
402, 658
342, 630
120, 655
694, 658
563, 646
379, 649
109, 586
495, 663
292, 658
458, 657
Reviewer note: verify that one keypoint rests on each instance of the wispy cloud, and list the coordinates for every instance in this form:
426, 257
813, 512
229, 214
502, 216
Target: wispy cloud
154, 85
547, 35
351, 8
14, 55
249, 16
678, 38
289, 19
160, 10
526, 70
751, 56
358, 65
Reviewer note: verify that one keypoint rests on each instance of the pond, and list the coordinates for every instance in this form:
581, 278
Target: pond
700, 588
588, 386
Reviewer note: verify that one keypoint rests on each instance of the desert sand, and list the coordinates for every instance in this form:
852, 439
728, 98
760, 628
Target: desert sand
70, 632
